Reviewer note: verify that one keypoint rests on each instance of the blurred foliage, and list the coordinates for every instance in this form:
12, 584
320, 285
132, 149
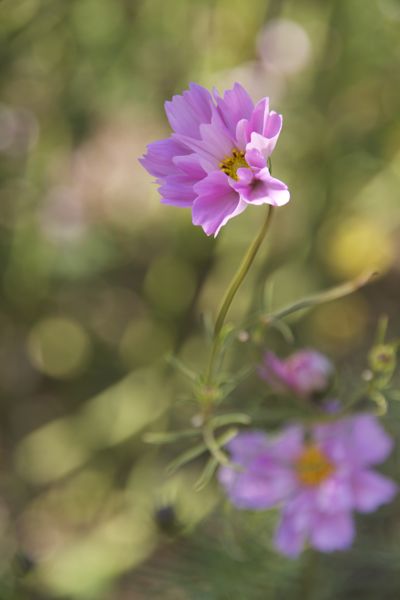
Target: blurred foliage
99, 281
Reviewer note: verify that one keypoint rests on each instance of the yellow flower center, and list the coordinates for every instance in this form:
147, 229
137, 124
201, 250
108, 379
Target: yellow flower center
232, 163
312, 466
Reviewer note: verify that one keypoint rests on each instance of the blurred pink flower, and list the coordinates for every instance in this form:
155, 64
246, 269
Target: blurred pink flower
318, 479
304, 373
215, 162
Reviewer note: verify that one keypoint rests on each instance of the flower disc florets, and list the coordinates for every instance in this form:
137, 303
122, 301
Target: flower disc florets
313, 466
232, 163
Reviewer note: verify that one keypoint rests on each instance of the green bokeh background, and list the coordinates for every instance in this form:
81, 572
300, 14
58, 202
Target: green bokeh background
99, 282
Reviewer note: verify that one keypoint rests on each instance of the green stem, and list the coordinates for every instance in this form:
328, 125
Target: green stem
329, 295
232, 289
213, 446
242, 272
309, 575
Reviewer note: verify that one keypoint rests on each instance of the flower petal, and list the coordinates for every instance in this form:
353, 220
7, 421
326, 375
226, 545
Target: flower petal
359, 440
371, 490
331, 532
259, 118
304, 373
334, 495
213, 145
262, 188
216, 203
247, 445
262, 484
190, 165
187, 112
294, 526
255, 159
242, 136
234, 106
216, 140
309, 372
287, 446
158, 160
274, 371
177, 190
370, 442
264, 128
273, 127
289, 540
262, 143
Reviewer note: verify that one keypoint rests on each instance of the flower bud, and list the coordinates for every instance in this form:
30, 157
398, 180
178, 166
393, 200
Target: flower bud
304, 373
382, 358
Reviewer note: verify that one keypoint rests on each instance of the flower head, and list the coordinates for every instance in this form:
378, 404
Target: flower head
318, 479
304, 373
216, 160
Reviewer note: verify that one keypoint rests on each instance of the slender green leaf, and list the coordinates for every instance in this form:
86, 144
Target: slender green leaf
230, 419
320, 298
186, 457
207, 474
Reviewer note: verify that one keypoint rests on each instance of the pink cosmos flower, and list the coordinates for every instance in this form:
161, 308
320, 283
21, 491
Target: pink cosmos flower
304, 373
216, 160
318, 479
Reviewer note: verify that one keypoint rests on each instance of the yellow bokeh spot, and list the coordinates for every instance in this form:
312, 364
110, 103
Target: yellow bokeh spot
58, 346
124, 409
312, 466
355, 246
118, 413
50, 452
86, 566
170, 285
143, 342
340, 325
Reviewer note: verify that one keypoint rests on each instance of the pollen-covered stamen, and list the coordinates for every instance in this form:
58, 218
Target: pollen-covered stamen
312, 466
232, 163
